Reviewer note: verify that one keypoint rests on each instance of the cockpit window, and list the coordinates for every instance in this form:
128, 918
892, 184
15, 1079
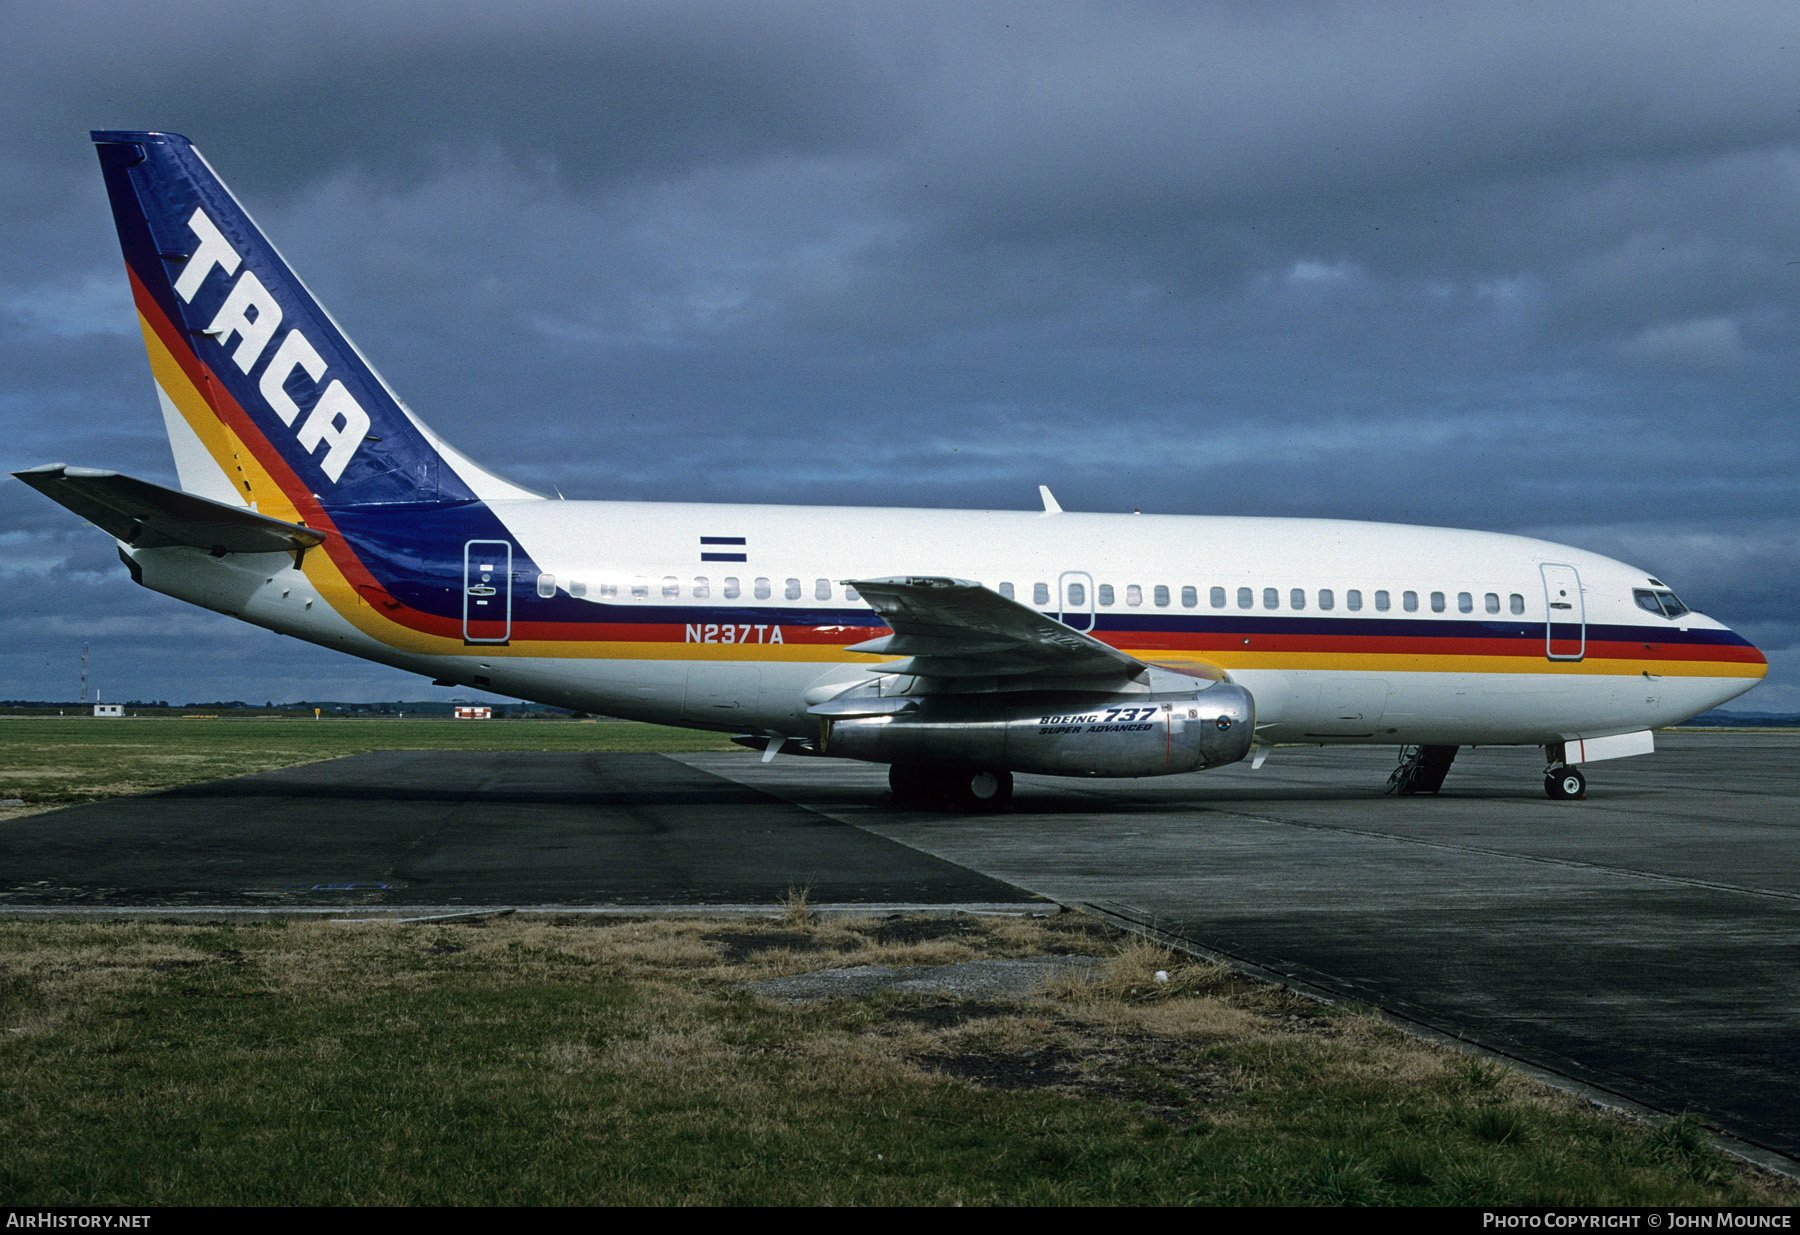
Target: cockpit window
1661, 602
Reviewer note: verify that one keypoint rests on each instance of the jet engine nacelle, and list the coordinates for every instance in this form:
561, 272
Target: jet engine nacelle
1055, 733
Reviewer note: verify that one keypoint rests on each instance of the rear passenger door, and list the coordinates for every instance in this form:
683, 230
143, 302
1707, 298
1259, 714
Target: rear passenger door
487, 591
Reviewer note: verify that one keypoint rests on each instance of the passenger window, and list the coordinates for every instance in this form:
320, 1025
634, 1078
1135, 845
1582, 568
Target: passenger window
1437, 602
1217, 597
762, 588
1106, 593
671, 586
1518, 603
1382, 602
546, 586
640, 588
1409, 601
731, 587
1160, 596
1190, 597
822, 589
1326, 599
792, 590
1297, 598
1465, 603
702, 588
1353, 600
1271, 598
1006, 590
578, 589
1492, 602
1134, 595
1040, 594
1246, 598
1077, 595
609, 591
851, 593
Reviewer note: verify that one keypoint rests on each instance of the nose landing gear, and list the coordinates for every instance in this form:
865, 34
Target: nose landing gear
1565, 784
1562, 782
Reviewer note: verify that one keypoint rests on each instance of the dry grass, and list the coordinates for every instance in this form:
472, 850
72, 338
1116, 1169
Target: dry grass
795, 911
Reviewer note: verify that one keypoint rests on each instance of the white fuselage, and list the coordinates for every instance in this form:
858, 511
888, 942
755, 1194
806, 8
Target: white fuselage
1330, 624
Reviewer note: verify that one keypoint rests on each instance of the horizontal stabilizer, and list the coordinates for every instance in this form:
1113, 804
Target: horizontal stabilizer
955, 628
147, 516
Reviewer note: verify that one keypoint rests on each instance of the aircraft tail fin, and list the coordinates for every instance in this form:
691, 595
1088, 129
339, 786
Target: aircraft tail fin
266, 401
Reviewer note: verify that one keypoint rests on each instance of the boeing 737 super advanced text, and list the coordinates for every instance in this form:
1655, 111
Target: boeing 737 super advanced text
956, 646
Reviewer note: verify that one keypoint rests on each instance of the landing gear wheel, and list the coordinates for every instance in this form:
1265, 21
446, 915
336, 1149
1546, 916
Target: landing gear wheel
979, 791
1565, 783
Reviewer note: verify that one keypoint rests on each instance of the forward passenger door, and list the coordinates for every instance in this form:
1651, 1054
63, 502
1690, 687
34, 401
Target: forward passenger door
1565, 625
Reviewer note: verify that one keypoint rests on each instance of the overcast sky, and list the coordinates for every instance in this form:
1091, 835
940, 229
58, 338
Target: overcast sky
1529, 268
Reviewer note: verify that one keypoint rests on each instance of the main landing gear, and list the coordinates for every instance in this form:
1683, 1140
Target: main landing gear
967, 789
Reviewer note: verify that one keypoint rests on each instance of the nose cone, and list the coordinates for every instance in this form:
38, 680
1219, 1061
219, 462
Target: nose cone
1762, 661
1754, 662
1736, 665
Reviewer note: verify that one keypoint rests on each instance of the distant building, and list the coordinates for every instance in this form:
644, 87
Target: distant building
109, 709
474, 713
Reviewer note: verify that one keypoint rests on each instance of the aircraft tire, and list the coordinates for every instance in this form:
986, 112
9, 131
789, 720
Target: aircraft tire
987, 789
1565, 784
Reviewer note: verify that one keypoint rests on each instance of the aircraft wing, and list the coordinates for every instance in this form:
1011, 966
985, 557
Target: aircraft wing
148, 516
955, 628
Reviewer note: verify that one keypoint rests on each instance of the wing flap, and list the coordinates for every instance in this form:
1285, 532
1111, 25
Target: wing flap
954, 628
148, 516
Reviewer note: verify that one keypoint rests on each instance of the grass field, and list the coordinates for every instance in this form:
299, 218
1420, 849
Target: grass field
621, 1062
48, 762
583, 1061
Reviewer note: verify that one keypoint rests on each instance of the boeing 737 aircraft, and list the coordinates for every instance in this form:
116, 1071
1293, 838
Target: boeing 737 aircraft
958, 647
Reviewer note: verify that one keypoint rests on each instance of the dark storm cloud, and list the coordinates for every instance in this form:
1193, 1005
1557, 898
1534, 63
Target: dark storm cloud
1528, 267
602, 90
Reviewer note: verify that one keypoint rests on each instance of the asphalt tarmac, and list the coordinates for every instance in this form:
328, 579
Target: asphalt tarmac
432, 831
1645, 941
